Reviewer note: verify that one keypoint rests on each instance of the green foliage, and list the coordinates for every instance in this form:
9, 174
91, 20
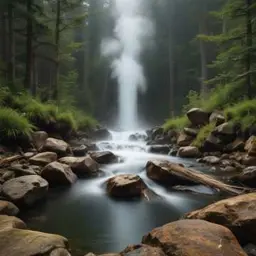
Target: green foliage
13, 124
84, 121
194, 100
176, 123
204, 132
243, 113
66, 119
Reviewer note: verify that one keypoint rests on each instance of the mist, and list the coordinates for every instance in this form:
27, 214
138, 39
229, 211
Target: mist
132, 30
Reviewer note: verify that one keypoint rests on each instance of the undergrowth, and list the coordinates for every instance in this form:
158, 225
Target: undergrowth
203, 133
176, 123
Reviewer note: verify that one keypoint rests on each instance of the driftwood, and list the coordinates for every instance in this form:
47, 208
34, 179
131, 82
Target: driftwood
198, 177
8, 160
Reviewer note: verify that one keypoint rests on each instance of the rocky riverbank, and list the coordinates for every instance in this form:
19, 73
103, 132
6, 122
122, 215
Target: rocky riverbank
226, 227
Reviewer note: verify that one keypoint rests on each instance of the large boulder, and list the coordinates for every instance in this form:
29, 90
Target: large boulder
184, 140
101, 134
188, 151
217, 118
80, 150
225, 132
191, 131
250, 146
17, 242
236, 213
81, 166
247, 177
194, 238
60, 147
160, 171
158, 131
126, 185
142, 250
104, 157
159, 149
9, 222
43, 159
58, 174
212, 144
39, 138
25, 190
198, 117
8, 208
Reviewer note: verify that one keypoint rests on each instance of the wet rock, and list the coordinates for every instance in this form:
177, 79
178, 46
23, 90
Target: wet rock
22, 170
250, 146
104, 157
81, 166
126, 185
250, 249
60, 147
184, 140
25, 190
225, 132
212, 160
9, 222
236, 213
194, 238
217, 118
17, 242
237, 145
38, 139
247, 177
101, 134
191, 131
212, 144
159, 149
160, 171
58, 174
249, 160
196, 189
28, 155
138, 137
198, 116
142, 250
188, 151
8, 208
174, 151
8, 175
43, 159
80, 150
156, 132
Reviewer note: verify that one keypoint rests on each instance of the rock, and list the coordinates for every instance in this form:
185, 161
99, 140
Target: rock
199, 189
236, 213
198, 116
217, 118
39, 138
250, 146
25, 190
17, 242
212, 144
60, 147
81, 166
9, 222
184, 140
237, 145
126, 185
8, 175
137, 137
58, 174
194, 238
250, 249
43, 159
225, 132
80, 150
191, 131
28, 155
159, 171
104, 157
174, 151
101, 134
60, 252
142, 250
247, 177
212, 160
249, 160
188, 151
22, 170
159, 149
8, 208
156, 132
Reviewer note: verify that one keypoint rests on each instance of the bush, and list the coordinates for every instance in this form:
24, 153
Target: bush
204, 132
67, 121
13, 125
243, 113
84, 120
176, 123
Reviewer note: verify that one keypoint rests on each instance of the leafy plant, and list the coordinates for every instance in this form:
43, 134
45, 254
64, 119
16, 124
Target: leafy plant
176, 123
204, 132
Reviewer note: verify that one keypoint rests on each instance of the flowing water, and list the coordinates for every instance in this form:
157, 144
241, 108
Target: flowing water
94, 222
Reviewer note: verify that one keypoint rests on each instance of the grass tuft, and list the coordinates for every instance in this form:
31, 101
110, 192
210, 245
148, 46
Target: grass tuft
176, 123
204, 132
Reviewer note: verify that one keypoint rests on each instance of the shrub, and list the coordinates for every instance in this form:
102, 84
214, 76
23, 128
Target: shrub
67, 121
204, 132
176, 123
84, 120
13, 124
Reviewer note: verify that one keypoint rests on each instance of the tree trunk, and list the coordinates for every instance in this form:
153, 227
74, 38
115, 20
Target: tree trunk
249, 48
11, 46
29, 49
57, 45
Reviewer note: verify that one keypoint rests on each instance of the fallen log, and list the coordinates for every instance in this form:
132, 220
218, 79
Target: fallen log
190, 175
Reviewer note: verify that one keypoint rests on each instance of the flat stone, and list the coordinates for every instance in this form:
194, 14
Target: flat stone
44, 158
188, 152
104, 157
60, 147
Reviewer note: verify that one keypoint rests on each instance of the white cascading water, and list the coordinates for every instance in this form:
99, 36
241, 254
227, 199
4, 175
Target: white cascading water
132, 30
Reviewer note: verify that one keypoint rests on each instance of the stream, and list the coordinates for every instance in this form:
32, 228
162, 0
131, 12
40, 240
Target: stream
93, 222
